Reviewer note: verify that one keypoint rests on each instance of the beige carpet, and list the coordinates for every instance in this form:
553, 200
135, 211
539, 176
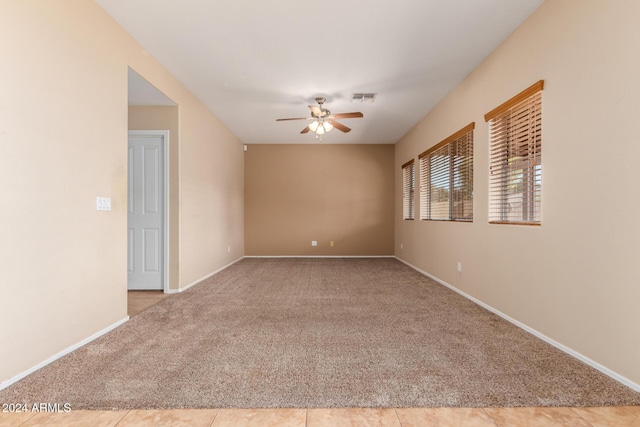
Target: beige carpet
318, 333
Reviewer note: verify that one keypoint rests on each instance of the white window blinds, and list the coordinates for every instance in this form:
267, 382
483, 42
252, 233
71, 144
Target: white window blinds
446, 178
515, 180
408, 185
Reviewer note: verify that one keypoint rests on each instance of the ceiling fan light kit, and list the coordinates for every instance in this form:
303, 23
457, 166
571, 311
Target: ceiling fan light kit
322, 121
320, 126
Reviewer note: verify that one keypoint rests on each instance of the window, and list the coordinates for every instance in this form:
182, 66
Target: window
408, 185
446, 178
515, 180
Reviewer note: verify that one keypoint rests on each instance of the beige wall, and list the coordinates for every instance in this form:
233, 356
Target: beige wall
573, 279
145, 117
63, 139
298, 193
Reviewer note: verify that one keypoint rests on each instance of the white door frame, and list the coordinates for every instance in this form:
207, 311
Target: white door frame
165, 182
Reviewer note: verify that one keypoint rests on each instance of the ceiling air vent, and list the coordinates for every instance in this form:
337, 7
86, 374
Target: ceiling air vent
363, 97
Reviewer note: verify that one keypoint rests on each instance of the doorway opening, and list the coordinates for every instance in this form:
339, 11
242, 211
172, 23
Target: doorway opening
153, 118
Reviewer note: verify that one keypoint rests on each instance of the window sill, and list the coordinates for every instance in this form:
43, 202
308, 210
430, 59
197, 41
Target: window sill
449, 220
538, 224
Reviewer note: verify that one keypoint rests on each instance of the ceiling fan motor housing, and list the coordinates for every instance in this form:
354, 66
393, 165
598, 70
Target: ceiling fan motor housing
323, 111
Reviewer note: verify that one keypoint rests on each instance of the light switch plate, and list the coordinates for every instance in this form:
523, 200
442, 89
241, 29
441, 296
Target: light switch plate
103, 203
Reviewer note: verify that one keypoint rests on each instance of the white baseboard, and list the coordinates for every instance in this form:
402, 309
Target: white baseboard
634, 386
319, 256
64, 352
184, 288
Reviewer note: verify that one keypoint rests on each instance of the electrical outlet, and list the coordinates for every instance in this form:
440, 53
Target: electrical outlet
229, 249
331, 243
400, 245
459, 267
314, 243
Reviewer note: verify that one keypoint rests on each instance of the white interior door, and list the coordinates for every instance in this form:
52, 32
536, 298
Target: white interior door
145, 222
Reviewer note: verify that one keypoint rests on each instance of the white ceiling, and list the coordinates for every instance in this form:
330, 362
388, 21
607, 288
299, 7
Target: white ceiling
253, 61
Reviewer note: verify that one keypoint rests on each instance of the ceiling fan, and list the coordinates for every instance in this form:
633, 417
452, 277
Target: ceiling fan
322, 121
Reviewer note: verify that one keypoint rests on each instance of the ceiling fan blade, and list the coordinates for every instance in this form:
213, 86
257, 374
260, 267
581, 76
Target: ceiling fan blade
317, 112
294, 118
347, 115
305, 130
339, 126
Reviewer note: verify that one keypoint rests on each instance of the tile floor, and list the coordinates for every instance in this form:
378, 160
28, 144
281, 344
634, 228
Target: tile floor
621, 416
139, 301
